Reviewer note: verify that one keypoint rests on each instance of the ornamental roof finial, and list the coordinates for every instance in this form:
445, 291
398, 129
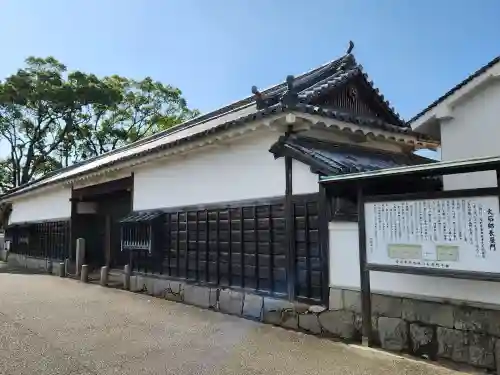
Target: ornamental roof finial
350, 48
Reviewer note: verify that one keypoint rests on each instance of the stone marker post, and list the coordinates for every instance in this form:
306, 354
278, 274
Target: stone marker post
126, 277
84, 274
104, 275
61, 269
66, 267
80, 254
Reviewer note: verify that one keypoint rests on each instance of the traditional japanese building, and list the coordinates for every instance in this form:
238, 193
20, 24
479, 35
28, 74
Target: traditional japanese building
228, 199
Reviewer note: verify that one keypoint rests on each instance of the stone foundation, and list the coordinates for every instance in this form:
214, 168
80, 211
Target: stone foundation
37, 264
429, 329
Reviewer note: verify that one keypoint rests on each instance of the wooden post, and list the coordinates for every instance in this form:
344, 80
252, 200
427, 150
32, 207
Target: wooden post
80, 254
84, 273
126, 277
324, 209
366, 303
66, 267
289, 229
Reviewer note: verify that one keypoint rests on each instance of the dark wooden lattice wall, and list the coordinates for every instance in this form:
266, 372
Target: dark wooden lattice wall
242, 246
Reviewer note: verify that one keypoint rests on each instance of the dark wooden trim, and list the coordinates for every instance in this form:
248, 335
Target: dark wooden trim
230, 248
417, 172
256, 244
271, 247
366, 304
112, 186
132, 177
197, 255
207, 247
217, 245
178, 240
480, 192
290, 229
186, 251
308, 252
72, 228
26, 223
324, 215
169, 244
242, 247
220, 205
454, 274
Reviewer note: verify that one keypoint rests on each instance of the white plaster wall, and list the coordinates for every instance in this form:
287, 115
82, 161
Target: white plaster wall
245, 169
46, 205
474, 131
303, 180
344, 273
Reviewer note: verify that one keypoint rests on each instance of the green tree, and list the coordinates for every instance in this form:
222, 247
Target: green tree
146, 107
51, 118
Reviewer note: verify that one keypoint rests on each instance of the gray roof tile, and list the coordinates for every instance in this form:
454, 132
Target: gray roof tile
330, 158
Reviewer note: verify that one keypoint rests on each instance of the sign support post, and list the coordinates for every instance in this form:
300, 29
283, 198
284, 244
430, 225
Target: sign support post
364, 273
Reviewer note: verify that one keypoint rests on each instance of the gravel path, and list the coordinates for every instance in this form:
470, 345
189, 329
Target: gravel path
50, 325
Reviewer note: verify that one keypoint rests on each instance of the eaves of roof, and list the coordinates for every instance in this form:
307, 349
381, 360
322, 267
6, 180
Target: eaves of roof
474, 75
210, 127
327, 158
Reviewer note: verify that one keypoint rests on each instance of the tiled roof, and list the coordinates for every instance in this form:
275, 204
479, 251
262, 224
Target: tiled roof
141, 217
328, 158
357, 119
308, 85
474, 75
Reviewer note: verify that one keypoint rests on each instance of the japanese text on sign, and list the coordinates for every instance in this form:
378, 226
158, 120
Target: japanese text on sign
449, 233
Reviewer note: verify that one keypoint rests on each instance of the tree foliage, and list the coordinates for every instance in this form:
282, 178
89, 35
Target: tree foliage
51, 118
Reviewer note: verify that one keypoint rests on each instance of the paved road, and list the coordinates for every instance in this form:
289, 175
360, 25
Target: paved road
51, 326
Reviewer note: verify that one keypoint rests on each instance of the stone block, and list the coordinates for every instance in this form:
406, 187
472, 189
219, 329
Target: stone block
316, 309
148, 285
497, 355
134, 284
214, 298
175, 291
452, 344
300, 308
280, 312
392, 333
230, 301
197, 296
481, 350
309, 322
427, 312
252, 306
160, 287
339, 323
422, 340
358, 326
352, 300
335, 300
386, 306
466, 347
477, 320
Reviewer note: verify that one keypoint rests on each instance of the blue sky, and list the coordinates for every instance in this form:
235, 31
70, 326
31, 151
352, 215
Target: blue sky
215, 50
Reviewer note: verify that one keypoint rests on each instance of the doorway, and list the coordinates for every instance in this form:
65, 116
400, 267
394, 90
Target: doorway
96, 213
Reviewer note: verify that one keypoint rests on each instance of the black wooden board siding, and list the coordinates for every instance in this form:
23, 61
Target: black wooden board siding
49, 240
242, 247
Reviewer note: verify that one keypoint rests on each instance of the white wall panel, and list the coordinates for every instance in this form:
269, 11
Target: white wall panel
303, 180
344, 273
47, 205
473, 132
244, 170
